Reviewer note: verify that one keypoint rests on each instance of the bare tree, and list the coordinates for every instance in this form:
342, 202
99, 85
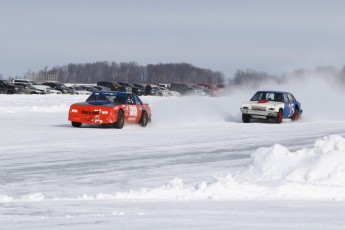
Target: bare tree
134, 73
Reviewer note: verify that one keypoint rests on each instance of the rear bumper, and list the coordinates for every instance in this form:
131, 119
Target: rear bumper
92, 116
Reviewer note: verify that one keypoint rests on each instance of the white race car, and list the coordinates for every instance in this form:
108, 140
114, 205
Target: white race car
275, 105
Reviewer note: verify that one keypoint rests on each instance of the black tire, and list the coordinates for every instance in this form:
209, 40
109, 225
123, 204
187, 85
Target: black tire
279, 117
144, 119
76, 124
120, 120
10, 92
245, 118
295, 116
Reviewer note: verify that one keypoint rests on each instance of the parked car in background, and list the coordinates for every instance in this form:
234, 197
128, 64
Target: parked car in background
182, 88
29, 89
274, 105
110, 108
115, 86
59, 86
141, 88
102, 88
54, 91
158, 91
213, 90
128, 87
79, 90
136, 90
172, 93
201, 90
167, 86
45, 88
89, 88
7, 88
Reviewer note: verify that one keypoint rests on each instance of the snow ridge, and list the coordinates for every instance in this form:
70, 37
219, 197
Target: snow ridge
316, 173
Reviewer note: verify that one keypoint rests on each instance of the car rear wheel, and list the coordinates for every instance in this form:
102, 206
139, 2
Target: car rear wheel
279, 117
76, 124
245, 118
295, 116
120, 120
144, 119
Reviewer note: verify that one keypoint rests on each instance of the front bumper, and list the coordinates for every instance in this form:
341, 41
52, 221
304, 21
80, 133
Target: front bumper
259, 113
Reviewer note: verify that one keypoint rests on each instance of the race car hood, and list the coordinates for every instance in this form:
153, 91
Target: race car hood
261, 104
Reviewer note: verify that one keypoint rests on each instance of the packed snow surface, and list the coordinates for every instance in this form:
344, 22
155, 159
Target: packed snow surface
195, 166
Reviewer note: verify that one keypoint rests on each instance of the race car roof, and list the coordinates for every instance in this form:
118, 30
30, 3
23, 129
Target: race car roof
111, 93
271, 91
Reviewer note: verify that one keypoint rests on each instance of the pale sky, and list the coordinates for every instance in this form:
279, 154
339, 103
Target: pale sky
221, 35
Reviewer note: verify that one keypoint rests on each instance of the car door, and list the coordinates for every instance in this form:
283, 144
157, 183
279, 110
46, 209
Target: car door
133, 111
291, 104
139, 106
287, 106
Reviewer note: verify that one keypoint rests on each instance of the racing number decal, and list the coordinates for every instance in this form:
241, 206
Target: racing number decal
133, 111
292, 109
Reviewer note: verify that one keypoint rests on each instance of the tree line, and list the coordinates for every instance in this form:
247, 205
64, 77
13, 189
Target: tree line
134, 73
176, 72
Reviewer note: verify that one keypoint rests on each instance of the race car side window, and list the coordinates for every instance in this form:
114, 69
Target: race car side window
286, 99
291, 98
137, 101
270, 96
279, 97
120, 99
129, 100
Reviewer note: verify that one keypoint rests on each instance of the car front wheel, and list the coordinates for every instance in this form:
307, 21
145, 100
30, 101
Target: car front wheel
144, 119
245, 118
295, 116
279, 117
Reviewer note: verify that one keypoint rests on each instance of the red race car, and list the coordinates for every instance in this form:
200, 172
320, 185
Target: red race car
114, 108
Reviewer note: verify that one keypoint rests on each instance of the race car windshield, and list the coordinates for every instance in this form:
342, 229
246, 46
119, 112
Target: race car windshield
97, 97
108, 98
270, 96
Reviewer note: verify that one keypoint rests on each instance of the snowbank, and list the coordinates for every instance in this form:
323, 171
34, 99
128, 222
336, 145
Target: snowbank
275, 173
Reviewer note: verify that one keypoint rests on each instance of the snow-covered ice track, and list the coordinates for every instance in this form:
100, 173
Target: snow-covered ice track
194, 166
